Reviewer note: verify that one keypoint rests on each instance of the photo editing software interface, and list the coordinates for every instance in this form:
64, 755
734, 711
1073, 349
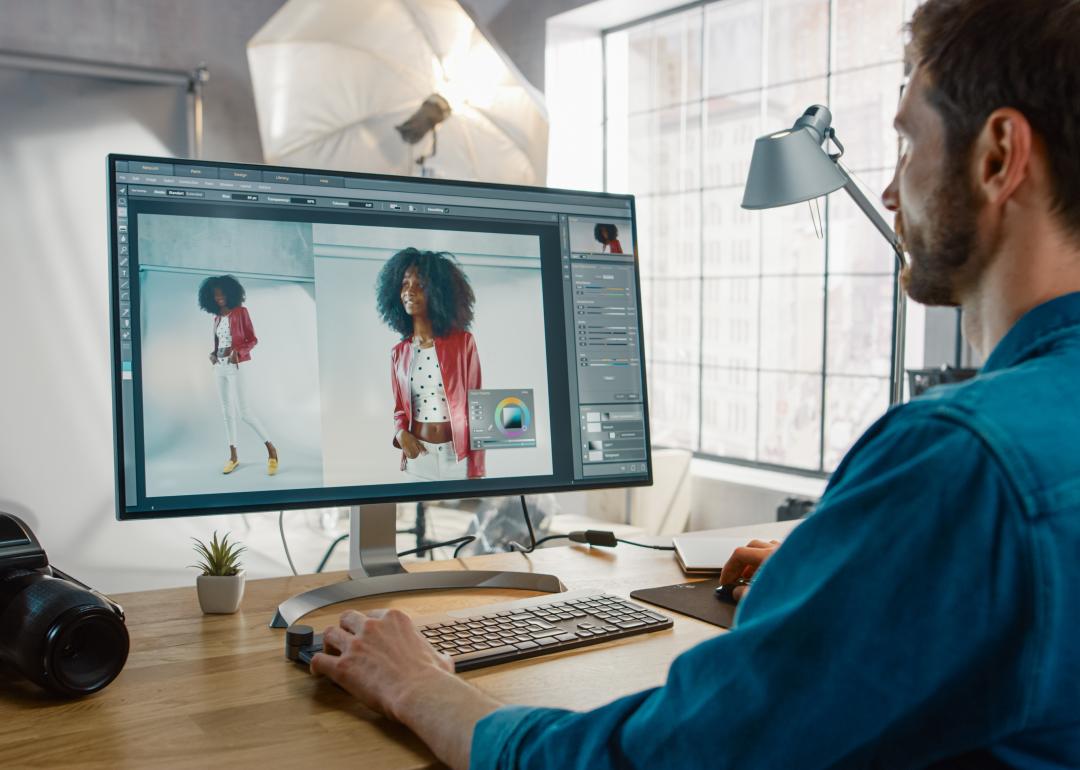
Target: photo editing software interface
285, 337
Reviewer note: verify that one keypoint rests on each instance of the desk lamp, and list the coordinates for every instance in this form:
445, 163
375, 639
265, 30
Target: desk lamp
793, 166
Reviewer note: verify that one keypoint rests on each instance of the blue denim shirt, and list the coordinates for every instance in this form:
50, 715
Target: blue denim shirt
928, 613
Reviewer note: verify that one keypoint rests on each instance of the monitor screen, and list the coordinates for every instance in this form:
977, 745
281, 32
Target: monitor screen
288, 338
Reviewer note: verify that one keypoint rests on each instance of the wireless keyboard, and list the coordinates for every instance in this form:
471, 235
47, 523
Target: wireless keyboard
500, 633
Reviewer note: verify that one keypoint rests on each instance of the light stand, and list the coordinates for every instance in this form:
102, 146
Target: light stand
793, 166
374, 569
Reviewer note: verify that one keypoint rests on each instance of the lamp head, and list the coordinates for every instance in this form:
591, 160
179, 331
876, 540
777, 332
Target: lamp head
792, 166
433, 111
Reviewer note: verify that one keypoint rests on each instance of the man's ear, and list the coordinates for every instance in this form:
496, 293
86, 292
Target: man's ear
1003, 154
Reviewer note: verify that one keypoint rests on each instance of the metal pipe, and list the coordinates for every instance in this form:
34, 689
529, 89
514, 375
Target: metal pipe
64, 66
198, 77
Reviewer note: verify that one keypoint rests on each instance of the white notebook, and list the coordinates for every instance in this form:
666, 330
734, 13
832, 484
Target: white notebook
702, 554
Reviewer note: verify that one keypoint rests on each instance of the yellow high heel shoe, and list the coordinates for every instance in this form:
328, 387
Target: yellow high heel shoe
271, 466
230, 466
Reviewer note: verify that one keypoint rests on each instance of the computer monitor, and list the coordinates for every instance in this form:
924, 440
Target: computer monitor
339, 322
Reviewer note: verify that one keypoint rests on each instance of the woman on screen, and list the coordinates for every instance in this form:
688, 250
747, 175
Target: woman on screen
607, 235
223, 297
426, 298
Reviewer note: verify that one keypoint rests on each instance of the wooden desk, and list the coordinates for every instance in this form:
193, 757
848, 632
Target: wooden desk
216, 691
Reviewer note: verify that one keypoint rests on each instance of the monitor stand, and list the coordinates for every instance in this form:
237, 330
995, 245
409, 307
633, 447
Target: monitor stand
374, 569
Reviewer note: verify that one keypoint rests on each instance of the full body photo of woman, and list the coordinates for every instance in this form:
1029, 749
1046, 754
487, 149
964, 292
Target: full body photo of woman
426, 298
234, 337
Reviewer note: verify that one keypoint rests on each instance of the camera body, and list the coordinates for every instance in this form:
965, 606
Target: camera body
56, 631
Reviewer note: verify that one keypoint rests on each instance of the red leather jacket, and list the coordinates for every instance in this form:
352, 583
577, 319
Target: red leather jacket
243, 333
460, 367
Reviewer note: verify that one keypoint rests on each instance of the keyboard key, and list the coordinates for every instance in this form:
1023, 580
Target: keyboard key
526, 645
565, 637
546, 641
542, 634
630, 624
483, 654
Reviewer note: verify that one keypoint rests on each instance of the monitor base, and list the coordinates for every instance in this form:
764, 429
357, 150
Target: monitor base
374, 569
291, 610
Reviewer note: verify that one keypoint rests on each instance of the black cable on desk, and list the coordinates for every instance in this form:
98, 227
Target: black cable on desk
460, 542
598, 537
643, 545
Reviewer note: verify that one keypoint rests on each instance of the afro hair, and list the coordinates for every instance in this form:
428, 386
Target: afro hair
605, 233
450, 298
230, 289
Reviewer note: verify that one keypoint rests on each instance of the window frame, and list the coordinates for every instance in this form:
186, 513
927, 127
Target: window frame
888, 270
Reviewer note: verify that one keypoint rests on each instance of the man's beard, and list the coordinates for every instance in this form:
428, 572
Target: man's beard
945, 256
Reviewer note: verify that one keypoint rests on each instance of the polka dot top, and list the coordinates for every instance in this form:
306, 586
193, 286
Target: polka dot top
223, 332
425, 381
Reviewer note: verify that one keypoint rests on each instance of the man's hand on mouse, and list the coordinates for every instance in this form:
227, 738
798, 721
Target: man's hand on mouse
745, 561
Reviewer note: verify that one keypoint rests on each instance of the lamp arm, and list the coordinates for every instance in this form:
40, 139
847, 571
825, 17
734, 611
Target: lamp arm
872, 214
899, 346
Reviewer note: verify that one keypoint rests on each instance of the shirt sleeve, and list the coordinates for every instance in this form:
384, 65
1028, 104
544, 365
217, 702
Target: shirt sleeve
401, 420
900, 604
246, 340
476, 467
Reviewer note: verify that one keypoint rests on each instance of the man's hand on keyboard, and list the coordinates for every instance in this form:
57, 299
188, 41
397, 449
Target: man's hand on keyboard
379, 657
383, 660
745, 561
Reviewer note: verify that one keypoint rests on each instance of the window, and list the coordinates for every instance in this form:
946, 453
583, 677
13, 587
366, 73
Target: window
765, 342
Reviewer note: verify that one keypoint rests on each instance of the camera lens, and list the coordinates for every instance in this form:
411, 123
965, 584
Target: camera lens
60, 636
82, 650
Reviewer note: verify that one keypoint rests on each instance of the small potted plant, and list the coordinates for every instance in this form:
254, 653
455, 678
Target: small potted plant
221, 584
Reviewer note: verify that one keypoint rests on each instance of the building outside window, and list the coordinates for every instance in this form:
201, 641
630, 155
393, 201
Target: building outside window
766, 341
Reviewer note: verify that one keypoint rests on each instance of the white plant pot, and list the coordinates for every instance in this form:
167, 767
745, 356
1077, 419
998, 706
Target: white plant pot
220, 595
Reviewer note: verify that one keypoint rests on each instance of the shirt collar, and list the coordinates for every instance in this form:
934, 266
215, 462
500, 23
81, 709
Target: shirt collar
1035, 328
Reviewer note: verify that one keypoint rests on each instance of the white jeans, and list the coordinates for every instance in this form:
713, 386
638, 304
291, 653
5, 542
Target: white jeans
439, 464
232, 390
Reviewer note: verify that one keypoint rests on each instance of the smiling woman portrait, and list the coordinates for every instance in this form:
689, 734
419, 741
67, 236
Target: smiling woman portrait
425, 297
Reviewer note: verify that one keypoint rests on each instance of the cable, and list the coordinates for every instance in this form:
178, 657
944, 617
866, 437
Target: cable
602, 538
516, 546
284, 542
463, 541
458, 549
330, 551
643, 545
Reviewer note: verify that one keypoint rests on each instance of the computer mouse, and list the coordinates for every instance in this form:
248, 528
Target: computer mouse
725, 592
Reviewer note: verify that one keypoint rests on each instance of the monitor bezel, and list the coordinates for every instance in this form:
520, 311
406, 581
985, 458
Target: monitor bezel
344, 500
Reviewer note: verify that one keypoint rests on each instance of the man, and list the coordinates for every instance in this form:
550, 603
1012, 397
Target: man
928, 612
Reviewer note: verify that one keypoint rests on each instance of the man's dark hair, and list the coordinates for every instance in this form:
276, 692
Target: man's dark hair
982, 55
605, 233
230, 289
449, 296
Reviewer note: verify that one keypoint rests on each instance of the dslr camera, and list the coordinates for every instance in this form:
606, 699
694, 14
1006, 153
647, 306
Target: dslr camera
56, 631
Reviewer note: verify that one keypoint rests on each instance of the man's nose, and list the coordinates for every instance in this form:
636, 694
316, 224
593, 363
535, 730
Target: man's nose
891, 196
